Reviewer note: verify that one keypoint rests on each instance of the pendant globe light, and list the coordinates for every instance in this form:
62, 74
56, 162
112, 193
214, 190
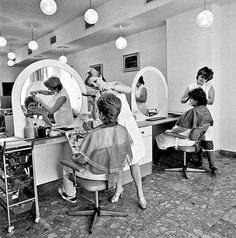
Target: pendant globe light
63, 58
48, 7
3, 41
121, 42
10, 63
91, 16
205, 18
11, 55
33, 45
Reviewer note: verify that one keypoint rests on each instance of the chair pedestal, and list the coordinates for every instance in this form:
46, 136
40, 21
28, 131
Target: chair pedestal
96, 212
185, 169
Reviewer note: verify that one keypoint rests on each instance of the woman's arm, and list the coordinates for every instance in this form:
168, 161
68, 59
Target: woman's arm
44, 92
211, 96
121, 88
60, 101
177, 129
94, 112
185, 96
143, 95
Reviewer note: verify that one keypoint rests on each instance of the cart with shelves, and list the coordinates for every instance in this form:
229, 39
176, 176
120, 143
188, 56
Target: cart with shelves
18, 191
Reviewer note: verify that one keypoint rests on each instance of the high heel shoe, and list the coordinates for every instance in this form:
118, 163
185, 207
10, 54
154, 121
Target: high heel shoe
116, 196
142, 202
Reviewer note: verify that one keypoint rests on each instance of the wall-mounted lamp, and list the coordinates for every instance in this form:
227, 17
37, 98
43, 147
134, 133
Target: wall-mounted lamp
3, 41
121, 42
33, 45
91, 16
48, 7
10, 63
62, 58
205, 18
11, 55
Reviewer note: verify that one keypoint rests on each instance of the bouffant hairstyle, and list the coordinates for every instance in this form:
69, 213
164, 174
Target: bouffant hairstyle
28, 100
92, 72
140, 80
109, 105
206, 72
53, 83
199, 95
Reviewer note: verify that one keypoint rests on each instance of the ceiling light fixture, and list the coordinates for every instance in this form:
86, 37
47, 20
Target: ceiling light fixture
33, 45
10, 63
121, 42
11, 55
48, 7
205, 18
63, 58
3, 41
91, 16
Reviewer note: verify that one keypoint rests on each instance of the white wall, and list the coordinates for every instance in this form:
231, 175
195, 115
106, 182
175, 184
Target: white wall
228, 79
152, 47
7, 74
189, 48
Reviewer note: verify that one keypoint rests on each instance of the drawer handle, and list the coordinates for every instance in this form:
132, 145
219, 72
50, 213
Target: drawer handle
142, 132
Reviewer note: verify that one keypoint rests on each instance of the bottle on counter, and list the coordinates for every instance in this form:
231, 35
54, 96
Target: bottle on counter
35, 130
29, 128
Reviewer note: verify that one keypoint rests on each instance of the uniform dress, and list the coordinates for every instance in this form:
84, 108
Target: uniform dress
141, 105
63, 116
127, 120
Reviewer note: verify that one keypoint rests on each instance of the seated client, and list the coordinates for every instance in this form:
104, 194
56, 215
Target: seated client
33, 109
195, 117
104, 149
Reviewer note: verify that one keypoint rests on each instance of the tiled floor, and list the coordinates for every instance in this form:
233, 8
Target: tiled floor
202, 206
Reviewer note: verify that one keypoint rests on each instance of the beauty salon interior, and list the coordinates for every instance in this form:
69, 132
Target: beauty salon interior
118, 118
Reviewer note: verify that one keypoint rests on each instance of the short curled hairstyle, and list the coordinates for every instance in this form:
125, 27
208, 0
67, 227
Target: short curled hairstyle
206, 72
109, 105
92, 73
29, 100
199, 95
53, 83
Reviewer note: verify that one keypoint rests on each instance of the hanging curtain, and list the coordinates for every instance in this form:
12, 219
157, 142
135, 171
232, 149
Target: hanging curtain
39, 75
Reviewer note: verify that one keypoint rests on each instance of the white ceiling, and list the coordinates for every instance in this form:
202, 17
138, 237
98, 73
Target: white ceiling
17, 16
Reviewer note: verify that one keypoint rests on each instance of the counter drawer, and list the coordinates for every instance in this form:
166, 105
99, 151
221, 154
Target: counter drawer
146, 131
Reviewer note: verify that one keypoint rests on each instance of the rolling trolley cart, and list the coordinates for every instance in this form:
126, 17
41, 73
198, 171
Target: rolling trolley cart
18, 191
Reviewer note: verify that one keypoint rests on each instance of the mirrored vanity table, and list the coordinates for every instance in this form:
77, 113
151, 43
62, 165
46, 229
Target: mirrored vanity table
48, 152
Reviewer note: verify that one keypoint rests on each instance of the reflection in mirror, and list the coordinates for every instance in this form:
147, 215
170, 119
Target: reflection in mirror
35, 81
150, 93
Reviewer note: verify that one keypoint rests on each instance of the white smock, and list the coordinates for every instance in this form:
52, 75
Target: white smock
63, 116
127, 120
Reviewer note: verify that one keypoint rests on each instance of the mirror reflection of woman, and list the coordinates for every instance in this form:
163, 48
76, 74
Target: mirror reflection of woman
61, 108
141, 96
96, 81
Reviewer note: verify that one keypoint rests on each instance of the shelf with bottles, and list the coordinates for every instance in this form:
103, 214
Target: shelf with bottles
18, 191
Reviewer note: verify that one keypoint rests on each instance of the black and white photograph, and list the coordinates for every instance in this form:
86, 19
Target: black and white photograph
117, 118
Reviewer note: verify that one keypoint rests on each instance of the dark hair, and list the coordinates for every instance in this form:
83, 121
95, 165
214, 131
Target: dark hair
28, 100
206, 72
53, 83
109, 105
199, 95
89, 74
140, 80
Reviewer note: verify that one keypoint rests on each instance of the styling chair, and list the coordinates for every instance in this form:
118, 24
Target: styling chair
197, 135
92, 186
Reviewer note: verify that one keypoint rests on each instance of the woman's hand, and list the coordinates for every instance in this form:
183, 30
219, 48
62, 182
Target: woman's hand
33, 93
91, 100
37, 99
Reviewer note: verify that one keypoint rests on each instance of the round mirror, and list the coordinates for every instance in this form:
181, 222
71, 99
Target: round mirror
35, 81
150, 95
32, 78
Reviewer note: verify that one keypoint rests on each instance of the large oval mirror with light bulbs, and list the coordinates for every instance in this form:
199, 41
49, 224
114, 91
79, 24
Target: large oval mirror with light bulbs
32, 78
150, 95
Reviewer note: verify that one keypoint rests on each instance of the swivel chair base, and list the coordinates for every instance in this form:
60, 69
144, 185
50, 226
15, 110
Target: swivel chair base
96, 212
